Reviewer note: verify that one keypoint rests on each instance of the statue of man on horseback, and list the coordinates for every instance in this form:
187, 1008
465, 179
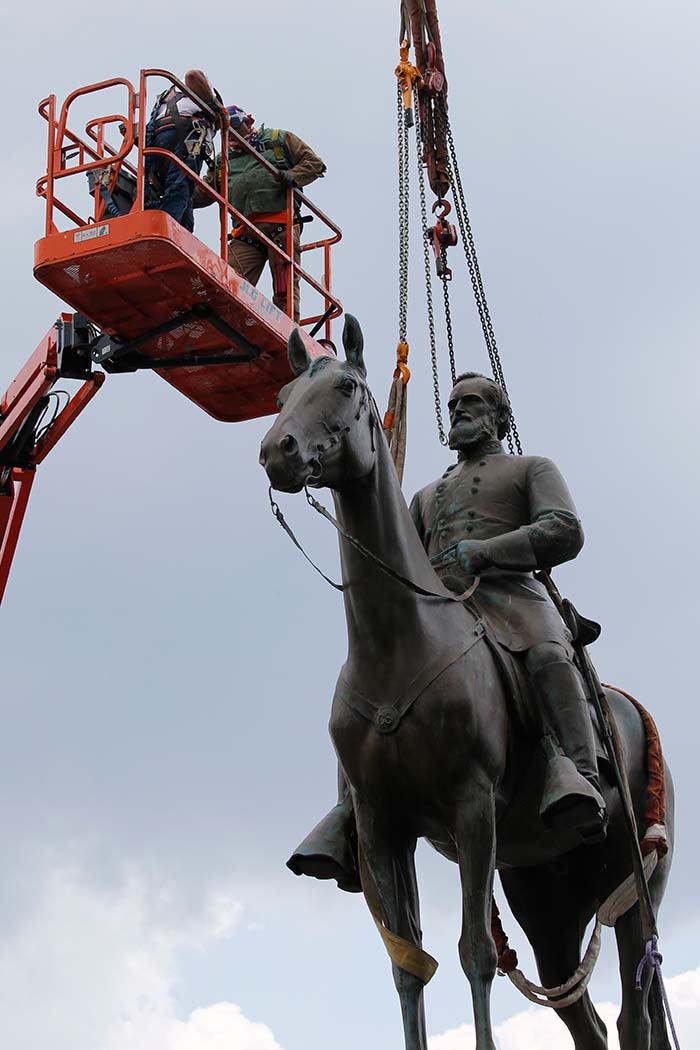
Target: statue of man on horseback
426, 719
500, 518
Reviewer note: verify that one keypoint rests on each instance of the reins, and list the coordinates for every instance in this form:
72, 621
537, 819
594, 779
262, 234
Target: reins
367, 404
364, 551
275, 508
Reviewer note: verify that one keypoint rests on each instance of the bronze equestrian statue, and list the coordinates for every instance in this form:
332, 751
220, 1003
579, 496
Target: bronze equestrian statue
431, 737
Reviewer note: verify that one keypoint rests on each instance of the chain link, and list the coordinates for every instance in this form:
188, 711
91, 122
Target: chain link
428, 272
404, 187
448, 316
469, 246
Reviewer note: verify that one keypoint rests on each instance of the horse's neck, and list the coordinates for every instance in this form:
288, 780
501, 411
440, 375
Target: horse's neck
385, 617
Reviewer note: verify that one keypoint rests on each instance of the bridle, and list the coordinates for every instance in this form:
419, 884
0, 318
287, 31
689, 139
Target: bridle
367, 403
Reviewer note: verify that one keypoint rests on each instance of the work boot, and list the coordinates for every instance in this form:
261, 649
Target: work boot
571, 797
330, 850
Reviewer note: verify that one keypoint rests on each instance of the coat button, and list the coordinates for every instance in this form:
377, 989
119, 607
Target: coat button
471, 514
470, 528
482, 462
477, 479
474, 491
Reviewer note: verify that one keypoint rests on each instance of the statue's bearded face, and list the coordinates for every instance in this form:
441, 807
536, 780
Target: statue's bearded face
473, 414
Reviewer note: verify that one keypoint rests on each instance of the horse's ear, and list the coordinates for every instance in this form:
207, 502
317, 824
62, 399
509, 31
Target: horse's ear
354, 343
297, 353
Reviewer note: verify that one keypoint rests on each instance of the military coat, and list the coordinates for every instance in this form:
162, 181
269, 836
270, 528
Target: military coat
521, 508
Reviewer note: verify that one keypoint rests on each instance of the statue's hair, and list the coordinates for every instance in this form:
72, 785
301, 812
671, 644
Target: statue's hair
500, 400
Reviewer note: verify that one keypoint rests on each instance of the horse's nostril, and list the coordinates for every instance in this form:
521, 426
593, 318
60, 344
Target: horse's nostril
289, 445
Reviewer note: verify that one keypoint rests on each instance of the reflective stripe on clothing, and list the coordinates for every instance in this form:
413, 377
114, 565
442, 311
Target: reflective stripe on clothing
279, 218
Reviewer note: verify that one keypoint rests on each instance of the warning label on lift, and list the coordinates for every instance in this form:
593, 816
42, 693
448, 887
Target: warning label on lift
91, 233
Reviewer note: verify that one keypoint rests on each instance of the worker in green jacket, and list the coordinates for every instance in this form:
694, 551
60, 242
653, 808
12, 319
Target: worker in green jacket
262, 199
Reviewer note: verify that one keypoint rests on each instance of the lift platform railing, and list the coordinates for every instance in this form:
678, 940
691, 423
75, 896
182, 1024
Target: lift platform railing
69, 154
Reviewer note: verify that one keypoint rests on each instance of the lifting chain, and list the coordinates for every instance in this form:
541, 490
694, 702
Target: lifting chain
446, 276
434, 116
396, 414
465, 227
404, 186
425, 237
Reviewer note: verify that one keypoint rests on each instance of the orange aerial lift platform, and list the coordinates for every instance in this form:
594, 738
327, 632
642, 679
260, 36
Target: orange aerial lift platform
148, 294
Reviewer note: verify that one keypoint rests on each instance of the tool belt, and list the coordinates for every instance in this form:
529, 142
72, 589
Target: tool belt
247, 238
273, 235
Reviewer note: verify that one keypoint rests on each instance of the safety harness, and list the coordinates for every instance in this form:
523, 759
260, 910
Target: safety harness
192, 130
172, 118
252, 190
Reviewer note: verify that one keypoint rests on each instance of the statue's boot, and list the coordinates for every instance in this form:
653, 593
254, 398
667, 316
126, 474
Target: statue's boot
330, 850
571, 797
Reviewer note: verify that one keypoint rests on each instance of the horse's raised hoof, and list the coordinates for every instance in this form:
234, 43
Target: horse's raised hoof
329, 851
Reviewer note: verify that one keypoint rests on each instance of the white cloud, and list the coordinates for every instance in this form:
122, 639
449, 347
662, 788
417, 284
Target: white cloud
95, 969
219, 1027
539, 1029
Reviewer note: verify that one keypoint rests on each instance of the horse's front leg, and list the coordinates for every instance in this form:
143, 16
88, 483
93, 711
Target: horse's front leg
475, 834
389, 880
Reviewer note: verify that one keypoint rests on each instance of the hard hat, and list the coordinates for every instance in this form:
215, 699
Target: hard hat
239, 120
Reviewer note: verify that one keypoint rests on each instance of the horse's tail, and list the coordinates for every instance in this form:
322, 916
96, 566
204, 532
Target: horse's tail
659, 1031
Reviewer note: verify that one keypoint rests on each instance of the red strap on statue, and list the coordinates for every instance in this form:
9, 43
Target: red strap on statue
655, 812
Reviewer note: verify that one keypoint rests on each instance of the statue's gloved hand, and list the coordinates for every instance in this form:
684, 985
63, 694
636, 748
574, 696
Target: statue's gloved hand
472, 556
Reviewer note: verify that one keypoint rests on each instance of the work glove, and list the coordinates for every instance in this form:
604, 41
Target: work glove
287, 179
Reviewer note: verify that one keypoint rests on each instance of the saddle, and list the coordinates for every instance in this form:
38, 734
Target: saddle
525, 705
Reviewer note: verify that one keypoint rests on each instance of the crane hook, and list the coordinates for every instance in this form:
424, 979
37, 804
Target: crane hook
446, 208
442, 235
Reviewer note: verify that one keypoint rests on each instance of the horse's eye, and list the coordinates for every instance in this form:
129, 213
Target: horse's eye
280, 402
347, 385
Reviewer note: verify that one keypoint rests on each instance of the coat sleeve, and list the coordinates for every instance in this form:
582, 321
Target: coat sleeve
554, 533
200, 198
416, 512
306, 166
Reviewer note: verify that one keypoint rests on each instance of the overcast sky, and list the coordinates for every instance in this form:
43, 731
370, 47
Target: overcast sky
169, 658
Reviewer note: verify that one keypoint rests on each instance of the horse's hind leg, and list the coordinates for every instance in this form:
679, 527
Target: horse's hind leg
634, 1022
475, 834
387, 861
547, 906
641, 1024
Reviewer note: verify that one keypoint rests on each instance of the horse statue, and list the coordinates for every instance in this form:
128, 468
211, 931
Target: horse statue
430, 741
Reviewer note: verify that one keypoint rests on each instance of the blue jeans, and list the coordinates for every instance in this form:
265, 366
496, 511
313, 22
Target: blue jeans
176, 188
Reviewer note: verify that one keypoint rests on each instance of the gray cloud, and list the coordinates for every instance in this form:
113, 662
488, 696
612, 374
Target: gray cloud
169, 658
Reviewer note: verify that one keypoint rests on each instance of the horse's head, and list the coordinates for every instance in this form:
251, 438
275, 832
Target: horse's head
325, 432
